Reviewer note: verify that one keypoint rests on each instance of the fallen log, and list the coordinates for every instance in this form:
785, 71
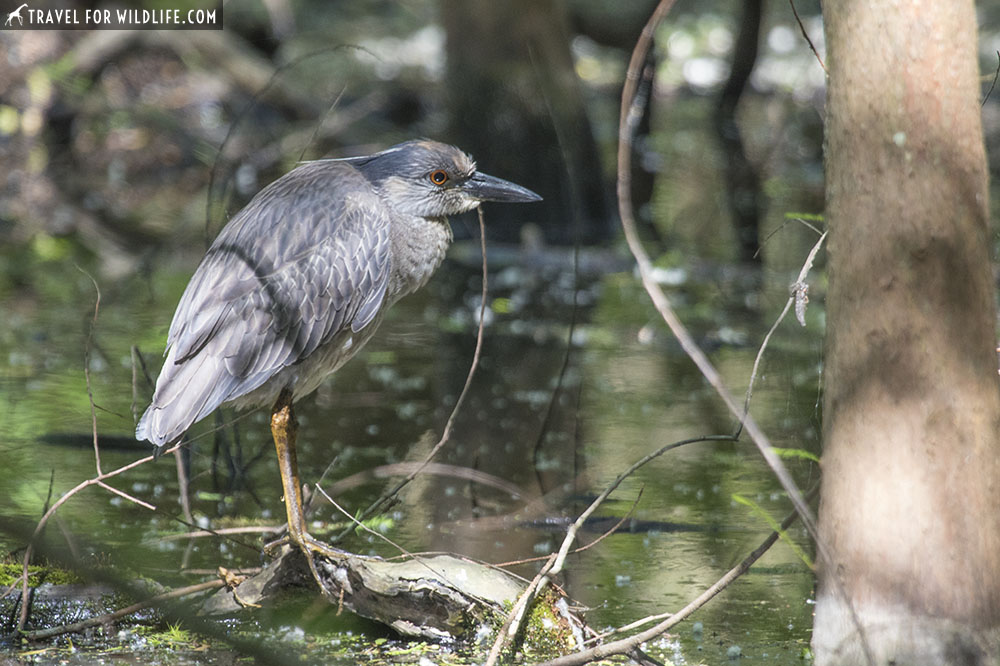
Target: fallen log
438, 598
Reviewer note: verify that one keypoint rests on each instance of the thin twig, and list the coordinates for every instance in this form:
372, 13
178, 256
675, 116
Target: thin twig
86, 368
263, 529
242, 571
446, 434
781, 227
183, 486
318, 125
125, 495
586, 546
994, 84
575, 214
582, 518
48, 495
437, 469
111, 617
25, 591
798, 287
357, 524
806, 35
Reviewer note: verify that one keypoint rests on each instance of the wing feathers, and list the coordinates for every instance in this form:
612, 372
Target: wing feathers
300, 264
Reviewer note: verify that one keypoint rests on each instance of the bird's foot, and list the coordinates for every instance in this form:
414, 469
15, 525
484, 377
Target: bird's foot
310, 547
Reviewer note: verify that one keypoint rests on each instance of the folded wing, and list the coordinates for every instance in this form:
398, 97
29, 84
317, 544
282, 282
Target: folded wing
307, 259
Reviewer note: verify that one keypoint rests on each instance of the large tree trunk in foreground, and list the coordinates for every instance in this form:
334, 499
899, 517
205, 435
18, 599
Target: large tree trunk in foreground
910, 507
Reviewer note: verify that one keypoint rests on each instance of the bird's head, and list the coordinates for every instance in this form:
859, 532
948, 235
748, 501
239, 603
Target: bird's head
431, 179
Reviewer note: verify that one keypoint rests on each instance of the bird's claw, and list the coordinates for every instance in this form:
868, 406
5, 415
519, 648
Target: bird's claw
310, 547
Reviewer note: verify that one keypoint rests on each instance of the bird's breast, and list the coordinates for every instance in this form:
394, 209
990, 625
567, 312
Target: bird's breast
418, 247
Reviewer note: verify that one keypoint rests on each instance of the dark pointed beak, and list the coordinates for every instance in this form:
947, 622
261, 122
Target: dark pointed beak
491, 188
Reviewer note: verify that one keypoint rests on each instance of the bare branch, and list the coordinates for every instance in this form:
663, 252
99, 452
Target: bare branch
249, 529
806, 36
994, 84
86, 368
587, 546
125, 495
111, 617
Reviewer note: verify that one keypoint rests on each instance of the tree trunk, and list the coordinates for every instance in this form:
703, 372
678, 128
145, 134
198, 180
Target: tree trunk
911, 406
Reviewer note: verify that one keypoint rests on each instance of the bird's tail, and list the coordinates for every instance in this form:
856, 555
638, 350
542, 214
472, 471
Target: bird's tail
181, 399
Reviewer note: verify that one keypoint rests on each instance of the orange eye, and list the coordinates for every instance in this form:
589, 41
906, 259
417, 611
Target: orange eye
439, 177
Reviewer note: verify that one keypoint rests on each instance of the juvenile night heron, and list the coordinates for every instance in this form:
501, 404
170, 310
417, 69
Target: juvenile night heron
298, 281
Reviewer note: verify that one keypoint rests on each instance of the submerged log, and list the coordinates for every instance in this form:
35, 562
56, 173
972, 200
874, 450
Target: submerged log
438, 598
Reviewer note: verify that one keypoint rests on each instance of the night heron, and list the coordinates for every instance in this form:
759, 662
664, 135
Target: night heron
298, 281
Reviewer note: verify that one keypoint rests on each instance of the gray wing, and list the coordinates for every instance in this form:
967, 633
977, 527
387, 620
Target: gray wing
307, 259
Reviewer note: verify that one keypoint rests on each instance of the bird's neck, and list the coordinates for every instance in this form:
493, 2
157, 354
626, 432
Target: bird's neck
418, 246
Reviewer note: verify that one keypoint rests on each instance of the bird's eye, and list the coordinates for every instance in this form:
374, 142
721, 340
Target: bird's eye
439, 177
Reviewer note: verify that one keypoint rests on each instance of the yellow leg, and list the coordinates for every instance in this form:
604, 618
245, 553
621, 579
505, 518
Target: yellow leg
284, 428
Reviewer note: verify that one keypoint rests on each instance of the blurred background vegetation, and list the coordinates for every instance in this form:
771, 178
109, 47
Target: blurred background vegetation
124, 153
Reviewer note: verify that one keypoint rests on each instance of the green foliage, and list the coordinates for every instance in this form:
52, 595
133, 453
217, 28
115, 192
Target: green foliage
175, 633
808, 217
173, 636
10, 573
380, 524
546, 633
801, 454
774, 525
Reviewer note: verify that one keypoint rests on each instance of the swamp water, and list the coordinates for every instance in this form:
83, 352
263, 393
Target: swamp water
566, 396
